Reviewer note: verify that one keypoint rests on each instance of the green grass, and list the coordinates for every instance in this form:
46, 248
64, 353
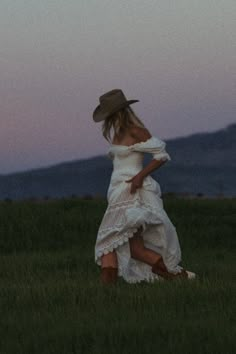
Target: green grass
51, 300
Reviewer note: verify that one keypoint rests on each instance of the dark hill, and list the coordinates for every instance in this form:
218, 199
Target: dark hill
201, 163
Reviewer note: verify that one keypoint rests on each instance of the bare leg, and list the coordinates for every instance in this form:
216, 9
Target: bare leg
110, 260
140, 252
137, 250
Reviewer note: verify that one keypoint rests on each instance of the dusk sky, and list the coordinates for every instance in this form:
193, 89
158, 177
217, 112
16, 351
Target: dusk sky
178, 57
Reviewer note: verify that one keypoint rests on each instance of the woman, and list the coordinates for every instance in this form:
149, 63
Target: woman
136, 239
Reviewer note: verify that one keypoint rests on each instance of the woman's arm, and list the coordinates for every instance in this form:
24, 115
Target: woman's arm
153, 165
141, 135
137, 180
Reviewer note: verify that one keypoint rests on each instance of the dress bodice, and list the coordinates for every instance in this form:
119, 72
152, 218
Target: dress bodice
128, 160
123, 160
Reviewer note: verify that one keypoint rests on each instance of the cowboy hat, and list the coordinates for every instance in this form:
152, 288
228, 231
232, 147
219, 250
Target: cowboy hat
111, 102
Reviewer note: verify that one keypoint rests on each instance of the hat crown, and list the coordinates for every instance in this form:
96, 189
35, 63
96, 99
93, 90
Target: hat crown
112, 98
110, 103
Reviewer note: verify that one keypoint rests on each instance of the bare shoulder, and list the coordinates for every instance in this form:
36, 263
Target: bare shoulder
140, 134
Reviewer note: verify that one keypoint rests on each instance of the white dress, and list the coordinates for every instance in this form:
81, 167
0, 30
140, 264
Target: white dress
126, 212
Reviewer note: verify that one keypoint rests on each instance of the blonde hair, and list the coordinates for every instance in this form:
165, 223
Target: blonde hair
120, 121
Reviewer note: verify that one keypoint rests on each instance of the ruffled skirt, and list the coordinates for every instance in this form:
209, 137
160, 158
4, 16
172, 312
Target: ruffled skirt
124, 215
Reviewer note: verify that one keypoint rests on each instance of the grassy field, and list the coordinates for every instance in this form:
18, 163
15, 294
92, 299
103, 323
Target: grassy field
51, 300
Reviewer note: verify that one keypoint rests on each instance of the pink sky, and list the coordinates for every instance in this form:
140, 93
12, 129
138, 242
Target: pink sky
56, 59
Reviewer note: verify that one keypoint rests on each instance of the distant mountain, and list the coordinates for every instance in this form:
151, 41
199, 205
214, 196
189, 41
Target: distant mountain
200, 163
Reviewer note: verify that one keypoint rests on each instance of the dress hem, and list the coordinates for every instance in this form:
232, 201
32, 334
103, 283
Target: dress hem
116, 244
149, 277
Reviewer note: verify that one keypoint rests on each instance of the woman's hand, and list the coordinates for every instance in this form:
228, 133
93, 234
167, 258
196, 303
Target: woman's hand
136, 182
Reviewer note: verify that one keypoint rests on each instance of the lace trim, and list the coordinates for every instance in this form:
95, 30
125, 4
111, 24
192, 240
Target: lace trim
132, 205
129, 233
148, 276
116, 227
125, 237
113, 228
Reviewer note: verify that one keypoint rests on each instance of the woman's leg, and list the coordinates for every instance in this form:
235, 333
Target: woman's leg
109, 260
109, 268
137, 251
140, 252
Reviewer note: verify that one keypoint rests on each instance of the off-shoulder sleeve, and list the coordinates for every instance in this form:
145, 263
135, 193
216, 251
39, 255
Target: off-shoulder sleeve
154, 146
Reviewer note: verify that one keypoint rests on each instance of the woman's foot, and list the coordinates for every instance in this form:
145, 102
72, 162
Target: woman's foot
159, 268
109, 275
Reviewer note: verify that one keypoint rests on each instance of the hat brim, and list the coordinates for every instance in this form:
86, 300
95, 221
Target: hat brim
99, 114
